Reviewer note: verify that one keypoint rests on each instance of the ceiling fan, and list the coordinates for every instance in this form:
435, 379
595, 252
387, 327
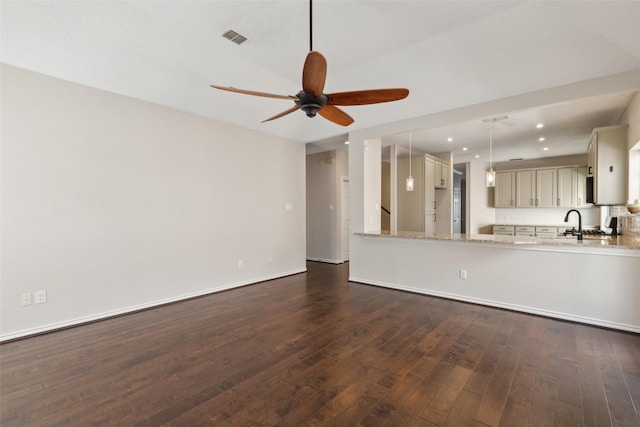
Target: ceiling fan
311, 98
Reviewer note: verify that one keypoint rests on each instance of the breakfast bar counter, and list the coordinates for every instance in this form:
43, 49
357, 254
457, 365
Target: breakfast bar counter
568, 242
595, 281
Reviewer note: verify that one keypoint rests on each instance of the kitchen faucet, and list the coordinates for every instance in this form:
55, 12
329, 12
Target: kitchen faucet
579, 232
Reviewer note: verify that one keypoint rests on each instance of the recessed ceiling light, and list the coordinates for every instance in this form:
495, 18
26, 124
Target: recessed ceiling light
346, 142
546, 148
477, 156
449, 139
541, 139
465, 149
540, 125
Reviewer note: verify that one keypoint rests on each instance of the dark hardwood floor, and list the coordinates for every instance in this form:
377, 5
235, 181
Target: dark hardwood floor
314, 349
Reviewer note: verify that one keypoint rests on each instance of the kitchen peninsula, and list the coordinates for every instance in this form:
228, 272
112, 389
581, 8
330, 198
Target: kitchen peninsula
596, 281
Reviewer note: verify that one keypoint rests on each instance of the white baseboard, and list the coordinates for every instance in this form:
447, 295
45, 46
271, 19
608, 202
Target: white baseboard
514, 307
126, 310
329, 261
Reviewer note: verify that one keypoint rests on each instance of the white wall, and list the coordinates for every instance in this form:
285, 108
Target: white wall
547, 216
324, 205
481, 214
112, 204
373, 184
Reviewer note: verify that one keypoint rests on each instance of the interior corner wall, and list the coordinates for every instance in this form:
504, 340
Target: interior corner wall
481, 212
112, 204
324, 174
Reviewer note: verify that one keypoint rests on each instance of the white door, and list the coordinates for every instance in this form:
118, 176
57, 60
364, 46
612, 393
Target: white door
345, 219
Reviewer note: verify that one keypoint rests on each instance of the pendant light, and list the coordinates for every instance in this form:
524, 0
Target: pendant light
491, 174
410, 178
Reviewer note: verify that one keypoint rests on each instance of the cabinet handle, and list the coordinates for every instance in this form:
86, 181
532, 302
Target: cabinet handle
511, 202
590, 173
558, 201
530, 202
434, 205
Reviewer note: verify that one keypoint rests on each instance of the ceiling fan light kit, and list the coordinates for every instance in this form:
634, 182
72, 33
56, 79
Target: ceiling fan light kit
312, 99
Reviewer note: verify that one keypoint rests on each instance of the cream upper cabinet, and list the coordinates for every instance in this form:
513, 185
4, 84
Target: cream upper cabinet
581, 186
567, 187
441, 174
542, 188
505, 190
546, 188
526, 188
608, 165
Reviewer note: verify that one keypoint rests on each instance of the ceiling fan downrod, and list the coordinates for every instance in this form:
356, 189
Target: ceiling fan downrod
310, 25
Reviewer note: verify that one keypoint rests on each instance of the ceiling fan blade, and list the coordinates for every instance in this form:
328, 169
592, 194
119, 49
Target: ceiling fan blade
314, 73
254, 93
364, 97
336, 115
284, 113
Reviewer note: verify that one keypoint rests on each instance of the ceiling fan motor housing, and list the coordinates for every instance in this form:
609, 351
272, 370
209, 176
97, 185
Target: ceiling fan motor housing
309, 103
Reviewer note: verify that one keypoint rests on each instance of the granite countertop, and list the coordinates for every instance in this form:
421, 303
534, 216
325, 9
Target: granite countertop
615, 242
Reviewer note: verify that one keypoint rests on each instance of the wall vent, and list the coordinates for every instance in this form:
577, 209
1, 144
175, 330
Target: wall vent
234, 37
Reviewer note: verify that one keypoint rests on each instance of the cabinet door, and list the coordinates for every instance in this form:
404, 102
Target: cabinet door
430, 222
504, 192
437, 176
546, 188
429, 186
525, 189
444, 179
581, 186
592, 153
568, 187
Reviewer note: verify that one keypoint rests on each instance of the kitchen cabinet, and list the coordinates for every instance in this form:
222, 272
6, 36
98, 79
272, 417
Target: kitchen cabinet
441, 170
568, 187
504, 230
524, 230
505, 190
526, 188
546, 231
581, 187
546, 188
607, 157
571, 186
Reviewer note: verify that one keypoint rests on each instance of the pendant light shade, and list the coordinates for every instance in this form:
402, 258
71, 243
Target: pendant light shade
491, 174
491, 178
409, 183
409, 186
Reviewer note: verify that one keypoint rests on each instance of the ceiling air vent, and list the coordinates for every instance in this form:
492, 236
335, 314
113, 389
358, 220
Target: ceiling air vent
234, 37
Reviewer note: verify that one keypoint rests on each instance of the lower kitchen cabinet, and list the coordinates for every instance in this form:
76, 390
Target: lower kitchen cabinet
546, 231
525, 230
504, 230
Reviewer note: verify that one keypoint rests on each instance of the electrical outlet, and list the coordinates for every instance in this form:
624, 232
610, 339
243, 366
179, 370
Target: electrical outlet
462, 274
25, 299
240, 263
40, 297
270, 259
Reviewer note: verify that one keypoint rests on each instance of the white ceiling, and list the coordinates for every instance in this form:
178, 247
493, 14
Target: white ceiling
450, 54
